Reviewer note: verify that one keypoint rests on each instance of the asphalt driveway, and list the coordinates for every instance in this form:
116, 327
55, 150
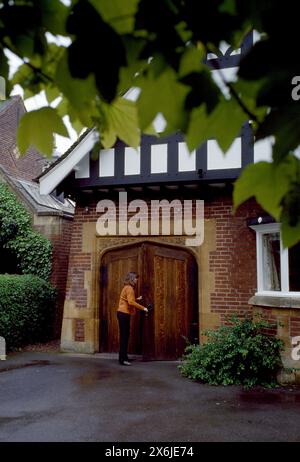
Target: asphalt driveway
56, 397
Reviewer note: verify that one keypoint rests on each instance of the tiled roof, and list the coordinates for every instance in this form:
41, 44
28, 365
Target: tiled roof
42, 205
28, 166
46, 202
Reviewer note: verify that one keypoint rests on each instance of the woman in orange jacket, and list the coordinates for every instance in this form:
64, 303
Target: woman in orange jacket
127, 306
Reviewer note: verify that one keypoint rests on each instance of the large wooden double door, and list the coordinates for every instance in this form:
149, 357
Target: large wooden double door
168, 280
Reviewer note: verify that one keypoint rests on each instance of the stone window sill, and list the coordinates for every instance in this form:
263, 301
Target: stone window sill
275, 302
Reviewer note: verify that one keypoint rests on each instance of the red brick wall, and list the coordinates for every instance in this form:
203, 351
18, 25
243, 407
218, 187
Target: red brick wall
234, 260
79, 330
295, 326
60, 262
78, 261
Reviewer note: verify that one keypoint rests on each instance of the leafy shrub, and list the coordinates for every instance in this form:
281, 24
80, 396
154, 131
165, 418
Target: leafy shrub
26, 309
241, 354
33, 251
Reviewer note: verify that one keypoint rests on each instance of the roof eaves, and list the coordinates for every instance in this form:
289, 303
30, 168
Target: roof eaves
64, 156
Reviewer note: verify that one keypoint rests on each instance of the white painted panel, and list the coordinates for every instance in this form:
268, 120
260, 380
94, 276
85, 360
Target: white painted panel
211, 56
159, 158
297, 152
159, 123
263, 149
132, 94
186, 159
132, 161
256, 36
107, 162
82, 169
224, 47
217, 160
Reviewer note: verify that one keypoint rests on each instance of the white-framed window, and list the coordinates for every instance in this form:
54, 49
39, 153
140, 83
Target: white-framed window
278, 268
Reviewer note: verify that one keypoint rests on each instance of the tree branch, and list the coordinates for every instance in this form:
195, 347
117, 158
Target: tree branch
234, 93
35, 69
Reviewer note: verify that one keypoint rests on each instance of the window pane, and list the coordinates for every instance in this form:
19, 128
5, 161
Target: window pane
294, 268
271, 261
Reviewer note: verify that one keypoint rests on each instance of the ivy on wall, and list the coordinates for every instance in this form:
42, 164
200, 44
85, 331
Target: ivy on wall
31, 250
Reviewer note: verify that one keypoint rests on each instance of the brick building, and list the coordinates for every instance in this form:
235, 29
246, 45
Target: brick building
51, 215
237, 265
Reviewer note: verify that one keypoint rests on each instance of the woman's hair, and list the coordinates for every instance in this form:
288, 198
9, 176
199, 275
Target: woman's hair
130, 277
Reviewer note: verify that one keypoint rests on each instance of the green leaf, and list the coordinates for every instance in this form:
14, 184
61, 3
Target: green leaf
290, 217
162, 94
4, 67
25, 44
122, 122
150, 130
228, 6
118, 13
76, 124
91, 31
290, 234
134, 66
191, 61
227, 120
248, 91
28, 93
81, 93
37, 128
64, 108
203, 89
267, 182
223, 124
22, 76
52, 93
108, 138
28, 80
54, 16
127, 76
287, 131
50, 61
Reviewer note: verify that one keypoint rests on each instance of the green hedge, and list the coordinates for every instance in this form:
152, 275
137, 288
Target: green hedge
27, 306
32, 250
238, 354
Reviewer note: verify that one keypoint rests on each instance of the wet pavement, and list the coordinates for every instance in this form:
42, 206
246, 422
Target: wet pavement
57, 397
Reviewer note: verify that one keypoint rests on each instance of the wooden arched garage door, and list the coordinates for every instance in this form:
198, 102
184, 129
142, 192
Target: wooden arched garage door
168, 279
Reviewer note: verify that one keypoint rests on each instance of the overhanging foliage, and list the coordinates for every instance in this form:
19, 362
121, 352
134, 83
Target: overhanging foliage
159, 46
